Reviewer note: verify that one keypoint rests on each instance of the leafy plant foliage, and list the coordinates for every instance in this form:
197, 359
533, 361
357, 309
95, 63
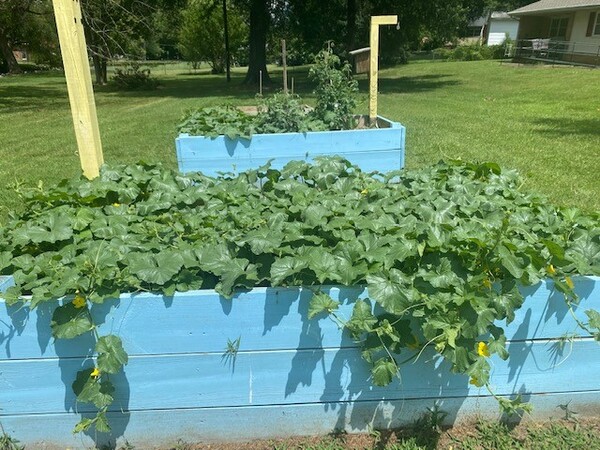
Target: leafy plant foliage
219, 120
442, 252
284, 113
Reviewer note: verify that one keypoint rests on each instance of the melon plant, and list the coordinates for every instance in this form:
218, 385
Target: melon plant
442, 250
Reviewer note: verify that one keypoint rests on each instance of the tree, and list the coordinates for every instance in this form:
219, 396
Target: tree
22, 22
259, 28
201, 37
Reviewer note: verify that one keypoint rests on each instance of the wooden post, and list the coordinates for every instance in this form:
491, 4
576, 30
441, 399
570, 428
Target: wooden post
284, 64
227, 52
376, 21
79, 84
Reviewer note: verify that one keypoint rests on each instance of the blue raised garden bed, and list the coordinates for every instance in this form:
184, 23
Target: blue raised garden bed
380, 149
291, 375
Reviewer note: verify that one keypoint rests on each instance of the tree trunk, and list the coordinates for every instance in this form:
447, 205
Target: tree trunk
97, 68
104, 71
9, 57
350, 24
259, 26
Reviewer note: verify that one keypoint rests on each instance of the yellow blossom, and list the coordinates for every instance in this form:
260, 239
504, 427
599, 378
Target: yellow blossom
95, 373
483, 349
79, 301
569, 282
116, 205
474, 381
364, 191
551, 270
487, 283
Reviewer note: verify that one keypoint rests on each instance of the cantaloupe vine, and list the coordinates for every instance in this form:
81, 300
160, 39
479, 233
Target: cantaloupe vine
442, 252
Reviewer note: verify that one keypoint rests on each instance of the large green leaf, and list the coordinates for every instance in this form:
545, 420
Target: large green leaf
284, 267
321, 303
390, 290
111, 354
156, 269
383, 372
69, 322
89, 389
510, 262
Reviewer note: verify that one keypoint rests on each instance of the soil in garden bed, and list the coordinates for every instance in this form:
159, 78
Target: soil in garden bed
569, 434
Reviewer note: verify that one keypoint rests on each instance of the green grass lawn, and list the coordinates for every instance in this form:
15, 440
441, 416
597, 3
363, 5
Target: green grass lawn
543, 121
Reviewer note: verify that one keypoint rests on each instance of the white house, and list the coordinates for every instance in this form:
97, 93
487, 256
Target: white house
568, 30
500, 26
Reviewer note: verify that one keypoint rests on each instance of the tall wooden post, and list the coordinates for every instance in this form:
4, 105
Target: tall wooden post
284, 64
376, 21
79, 84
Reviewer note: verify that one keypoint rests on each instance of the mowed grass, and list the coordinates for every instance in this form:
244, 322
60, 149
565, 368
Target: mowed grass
543, 121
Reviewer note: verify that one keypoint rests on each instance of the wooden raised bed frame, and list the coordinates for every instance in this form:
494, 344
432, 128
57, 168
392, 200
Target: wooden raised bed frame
291, 375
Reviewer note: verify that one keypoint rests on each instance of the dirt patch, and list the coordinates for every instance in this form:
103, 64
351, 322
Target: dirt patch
446, 439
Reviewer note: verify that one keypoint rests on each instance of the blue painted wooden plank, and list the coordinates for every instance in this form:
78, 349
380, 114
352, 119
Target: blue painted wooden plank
214, 425
197, 153
273, 318
368, 161
291, 377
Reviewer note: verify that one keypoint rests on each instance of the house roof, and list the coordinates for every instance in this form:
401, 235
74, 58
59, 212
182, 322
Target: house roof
544, 6
501, 15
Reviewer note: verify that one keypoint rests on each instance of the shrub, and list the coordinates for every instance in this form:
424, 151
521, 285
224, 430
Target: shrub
472, 52
134, 78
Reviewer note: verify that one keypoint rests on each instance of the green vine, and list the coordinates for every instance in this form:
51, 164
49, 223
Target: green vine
442, 253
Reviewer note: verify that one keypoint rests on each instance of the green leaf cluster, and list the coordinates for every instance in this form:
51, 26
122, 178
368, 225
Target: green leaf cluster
442, 250
335, 92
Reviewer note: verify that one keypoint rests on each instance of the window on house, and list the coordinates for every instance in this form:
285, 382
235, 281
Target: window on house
597, 26
558, 27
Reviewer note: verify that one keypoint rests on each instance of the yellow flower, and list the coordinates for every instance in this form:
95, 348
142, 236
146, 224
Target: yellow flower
95, 373
483, 349
79, 301
474, 381
487, 283
364, 191
569, 282
551, 270
116, 205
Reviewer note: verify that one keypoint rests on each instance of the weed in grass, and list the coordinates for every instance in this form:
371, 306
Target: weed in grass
182, 445
9, 443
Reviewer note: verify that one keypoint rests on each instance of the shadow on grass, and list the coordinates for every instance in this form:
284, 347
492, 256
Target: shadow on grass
206, 85
567, 126
23, 98
414, 84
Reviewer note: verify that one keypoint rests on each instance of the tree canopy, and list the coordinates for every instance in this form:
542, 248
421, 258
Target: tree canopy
140, 29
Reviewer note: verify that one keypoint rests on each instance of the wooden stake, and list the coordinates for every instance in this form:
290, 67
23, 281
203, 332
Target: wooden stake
79, 84
260, 82
284, 63
376, 21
